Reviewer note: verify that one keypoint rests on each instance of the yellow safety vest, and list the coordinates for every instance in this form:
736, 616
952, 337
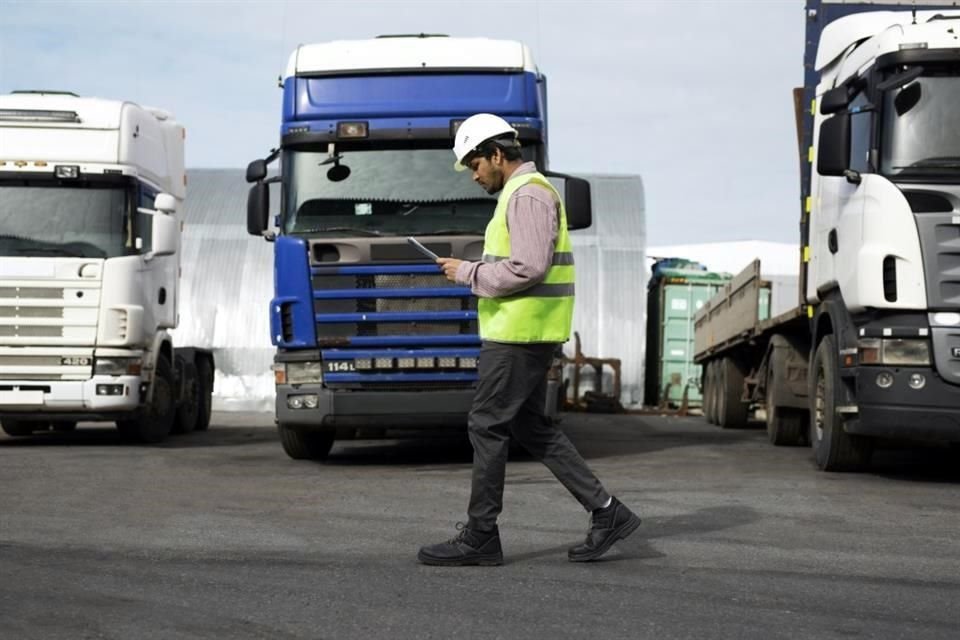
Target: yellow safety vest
543, 312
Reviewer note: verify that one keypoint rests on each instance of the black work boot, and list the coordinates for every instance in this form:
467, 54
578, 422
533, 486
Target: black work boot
607, 525
469, 547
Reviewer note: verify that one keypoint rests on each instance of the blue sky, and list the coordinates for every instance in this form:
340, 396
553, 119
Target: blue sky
693, 96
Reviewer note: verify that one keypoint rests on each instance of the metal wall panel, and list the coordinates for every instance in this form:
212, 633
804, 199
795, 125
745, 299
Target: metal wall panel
610, 311
225, 289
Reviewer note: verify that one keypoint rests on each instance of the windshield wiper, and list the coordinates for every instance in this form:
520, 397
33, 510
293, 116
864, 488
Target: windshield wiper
53, 251
943, 162
28, 246
452, 232
357, 230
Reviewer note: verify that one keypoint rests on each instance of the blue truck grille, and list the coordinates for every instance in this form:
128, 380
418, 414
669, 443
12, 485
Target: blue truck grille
394, 325
395, 304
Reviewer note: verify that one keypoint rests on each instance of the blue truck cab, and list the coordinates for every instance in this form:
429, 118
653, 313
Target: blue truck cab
368, 332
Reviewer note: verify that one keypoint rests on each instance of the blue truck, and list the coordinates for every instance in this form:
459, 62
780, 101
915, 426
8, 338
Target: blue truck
369, 334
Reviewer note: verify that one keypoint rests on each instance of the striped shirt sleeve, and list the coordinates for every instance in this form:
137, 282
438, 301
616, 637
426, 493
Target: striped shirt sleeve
533, 223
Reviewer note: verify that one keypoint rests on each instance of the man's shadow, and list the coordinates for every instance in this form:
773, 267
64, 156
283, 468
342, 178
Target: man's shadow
639, 546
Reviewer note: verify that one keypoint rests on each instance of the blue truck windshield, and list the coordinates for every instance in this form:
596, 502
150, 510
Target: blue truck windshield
387, 192
921, 128
89, 222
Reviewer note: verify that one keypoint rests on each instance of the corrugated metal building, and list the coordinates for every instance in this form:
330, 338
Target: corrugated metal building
610, 311
227, 284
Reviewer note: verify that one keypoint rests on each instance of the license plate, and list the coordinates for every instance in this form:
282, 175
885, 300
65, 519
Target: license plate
339, 366
21, 398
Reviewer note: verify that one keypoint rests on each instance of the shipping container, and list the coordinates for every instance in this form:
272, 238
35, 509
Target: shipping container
676, 290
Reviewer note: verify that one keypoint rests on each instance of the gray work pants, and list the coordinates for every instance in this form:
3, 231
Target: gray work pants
509, 403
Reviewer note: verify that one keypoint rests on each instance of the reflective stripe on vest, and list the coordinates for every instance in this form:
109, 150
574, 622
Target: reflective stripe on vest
558, 258
543, 312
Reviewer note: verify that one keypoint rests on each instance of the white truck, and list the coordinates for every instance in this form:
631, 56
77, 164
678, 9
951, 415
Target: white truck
873, 349
90, 195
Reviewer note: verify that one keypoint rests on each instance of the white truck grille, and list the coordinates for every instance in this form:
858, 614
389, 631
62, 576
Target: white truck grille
39, 314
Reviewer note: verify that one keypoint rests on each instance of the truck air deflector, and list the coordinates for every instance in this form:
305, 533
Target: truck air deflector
409, 95
291, 314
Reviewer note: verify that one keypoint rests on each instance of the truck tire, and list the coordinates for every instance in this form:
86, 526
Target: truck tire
205, 379
833, 448
731, 412
188, 411
305, 445
715, 393
786, 426
156, 419
710, 392
20, 427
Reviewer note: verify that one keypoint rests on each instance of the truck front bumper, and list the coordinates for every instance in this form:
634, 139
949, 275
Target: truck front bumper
930, 413
100, 397
413, 408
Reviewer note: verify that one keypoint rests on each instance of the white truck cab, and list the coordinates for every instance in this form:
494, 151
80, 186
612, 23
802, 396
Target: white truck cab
90, 197
872, 352
896, 77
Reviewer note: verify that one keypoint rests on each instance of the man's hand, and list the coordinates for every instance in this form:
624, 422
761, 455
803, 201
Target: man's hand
449, 266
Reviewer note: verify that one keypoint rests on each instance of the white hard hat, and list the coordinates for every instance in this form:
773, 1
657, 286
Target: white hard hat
476, 130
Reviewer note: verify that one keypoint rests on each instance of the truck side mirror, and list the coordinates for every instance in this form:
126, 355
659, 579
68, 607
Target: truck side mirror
256, 171
165, 203
258, 208
834, 100
833, 148
576, 199
165, 235
579, 203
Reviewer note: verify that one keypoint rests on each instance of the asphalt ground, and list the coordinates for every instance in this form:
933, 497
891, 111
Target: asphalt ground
220, 535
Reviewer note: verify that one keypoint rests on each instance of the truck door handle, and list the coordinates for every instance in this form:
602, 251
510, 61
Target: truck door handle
832, 243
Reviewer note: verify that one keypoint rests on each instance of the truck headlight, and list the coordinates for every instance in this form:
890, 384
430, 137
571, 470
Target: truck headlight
904, 352
117, 366
304, 372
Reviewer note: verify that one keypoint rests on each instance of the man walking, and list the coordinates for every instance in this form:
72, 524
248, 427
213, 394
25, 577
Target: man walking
525, 286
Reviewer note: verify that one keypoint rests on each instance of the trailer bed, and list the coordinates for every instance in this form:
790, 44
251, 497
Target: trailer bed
731, 318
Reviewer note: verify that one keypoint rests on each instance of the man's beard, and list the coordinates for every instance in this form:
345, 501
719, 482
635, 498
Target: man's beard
498, 181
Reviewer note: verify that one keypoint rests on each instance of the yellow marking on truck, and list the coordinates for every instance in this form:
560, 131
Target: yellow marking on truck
806, 254
807, 204
810, 154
